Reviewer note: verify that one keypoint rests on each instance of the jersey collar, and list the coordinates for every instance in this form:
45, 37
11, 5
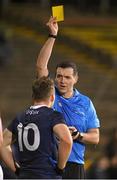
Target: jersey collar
37, 106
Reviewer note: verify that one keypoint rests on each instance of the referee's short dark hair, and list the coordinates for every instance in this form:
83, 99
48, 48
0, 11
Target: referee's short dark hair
68, 64
42, 88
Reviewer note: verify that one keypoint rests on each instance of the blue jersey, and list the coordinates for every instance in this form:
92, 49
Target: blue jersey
78, 111
33, 130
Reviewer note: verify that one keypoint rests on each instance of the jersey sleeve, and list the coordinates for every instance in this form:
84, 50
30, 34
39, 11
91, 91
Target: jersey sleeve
13, 126
92, 119
57, 118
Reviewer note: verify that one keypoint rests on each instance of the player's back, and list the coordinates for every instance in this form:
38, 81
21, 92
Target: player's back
36, 141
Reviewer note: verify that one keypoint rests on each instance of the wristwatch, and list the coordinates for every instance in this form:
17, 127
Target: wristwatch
80, 136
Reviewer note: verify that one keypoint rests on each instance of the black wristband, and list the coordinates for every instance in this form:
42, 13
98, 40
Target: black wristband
80, 137
59, 171
52, 36
75, 133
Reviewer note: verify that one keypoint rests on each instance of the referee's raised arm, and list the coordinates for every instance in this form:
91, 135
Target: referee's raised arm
45, 52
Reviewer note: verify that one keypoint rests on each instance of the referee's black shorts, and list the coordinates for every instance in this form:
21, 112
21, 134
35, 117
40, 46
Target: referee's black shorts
74, 171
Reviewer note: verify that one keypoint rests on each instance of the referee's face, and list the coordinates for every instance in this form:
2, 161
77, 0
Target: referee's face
65, 80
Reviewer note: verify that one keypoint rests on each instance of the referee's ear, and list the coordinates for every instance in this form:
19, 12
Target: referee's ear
76, 78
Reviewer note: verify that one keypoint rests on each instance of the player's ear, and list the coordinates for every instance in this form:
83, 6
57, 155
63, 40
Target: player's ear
52, 97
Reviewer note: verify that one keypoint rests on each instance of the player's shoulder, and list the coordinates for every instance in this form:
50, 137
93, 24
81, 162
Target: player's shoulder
21, 115
53, 111
56, 113
57, 118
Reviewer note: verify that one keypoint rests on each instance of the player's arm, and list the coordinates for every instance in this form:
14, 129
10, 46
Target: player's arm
45, 53
65, 144
5, 151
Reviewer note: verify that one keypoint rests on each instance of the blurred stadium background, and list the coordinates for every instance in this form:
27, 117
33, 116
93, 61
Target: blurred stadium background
88, 36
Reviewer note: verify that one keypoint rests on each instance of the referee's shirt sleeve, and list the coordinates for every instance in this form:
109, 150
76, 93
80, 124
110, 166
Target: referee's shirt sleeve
92, 119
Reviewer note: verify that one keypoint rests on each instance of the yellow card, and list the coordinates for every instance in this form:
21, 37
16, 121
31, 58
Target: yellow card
58, 12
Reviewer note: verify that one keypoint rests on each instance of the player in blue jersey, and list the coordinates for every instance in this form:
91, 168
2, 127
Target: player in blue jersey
34, 132
78, 110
